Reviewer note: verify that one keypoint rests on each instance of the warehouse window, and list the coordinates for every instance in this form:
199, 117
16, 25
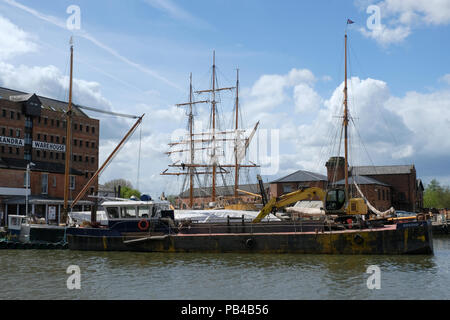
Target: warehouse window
12, 114
72, 182
44, 183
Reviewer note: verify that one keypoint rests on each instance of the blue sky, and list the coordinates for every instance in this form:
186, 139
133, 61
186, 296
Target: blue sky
136, 56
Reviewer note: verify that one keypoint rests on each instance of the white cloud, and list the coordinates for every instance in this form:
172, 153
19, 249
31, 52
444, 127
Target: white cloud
385, 35
13, 40
306, 99
445, 78
272, 91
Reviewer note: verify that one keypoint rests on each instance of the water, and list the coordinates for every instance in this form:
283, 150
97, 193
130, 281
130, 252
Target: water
30, 274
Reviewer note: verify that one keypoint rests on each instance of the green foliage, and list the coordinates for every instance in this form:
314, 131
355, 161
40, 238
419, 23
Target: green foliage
127, 192
436, 196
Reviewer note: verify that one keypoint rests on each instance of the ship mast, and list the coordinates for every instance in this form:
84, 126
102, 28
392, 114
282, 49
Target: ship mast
346, 121
236, 169
191, 136
213, 105
68, 140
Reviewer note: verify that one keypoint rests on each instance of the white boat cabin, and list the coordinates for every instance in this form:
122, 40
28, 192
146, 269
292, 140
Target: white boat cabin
119, 210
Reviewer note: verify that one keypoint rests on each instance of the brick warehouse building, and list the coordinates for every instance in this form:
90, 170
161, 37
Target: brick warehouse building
384, 186
33, 131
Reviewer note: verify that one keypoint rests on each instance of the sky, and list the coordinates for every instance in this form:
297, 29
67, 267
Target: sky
136, 56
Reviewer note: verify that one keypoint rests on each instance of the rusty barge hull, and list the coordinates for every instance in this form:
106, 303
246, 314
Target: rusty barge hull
408, 238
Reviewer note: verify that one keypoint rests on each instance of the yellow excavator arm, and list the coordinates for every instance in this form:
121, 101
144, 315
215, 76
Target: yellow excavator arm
312, 193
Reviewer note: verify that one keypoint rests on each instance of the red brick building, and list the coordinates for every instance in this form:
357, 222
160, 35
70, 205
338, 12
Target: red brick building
33, 131
384, 186
297, 180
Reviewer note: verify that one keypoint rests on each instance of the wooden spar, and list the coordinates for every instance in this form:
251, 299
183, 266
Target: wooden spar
346, 122
236, 169
68, 141
187, 165
213, 193
83, 191
191, 124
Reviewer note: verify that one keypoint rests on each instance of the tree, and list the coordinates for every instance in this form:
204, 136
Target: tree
118, 182
436, 196
126, 192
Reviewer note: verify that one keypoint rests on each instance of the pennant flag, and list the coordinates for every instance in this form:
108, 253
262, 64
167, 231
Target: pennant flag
349, 21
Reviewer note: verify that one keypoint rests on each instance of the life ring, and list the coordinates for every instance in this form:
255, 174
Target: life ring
358, 239
143, 225
349, 223
249, 243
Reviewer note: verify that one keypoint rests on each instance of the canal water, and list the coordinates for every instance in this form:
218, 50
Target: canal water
40, 274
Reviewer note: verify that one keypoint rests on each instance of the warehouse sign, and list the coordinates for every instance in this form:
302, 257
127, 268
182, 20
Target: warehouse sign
49, 146
12, 141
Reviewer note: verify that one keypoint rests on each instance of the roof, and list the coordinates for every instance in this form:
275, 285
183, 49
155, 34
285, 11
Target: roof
47, 103
301, 176
222, 190
378, 170
21, 164
41, 199
361, 180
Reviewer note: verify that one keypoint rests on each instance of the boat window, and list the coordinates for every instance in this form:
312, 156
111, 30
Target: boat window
153, 211
113, 212
128, 212
144, 212
331, 196
341, 196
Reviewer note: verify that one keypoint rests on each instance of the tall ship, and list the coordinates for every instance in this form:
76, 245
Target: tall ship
212, 159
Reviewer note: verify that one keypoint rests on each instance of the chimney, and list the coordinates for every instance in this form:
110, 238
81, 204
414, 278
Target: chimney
335, 169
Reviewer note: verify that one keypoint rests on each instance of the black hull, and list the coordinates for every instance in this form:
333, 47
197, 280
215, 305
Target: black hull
408, 238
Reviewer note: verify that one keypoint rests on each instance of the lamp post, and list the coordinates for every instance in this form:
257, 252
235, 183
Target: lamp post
28, 186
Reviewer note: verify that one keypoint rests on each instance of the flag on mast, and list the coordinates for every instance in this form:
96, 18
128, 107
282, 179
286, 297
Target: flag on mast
349, 21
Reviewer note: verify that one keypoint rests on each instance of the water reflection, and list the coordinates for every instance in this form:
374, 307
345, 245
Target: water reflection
125, 275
